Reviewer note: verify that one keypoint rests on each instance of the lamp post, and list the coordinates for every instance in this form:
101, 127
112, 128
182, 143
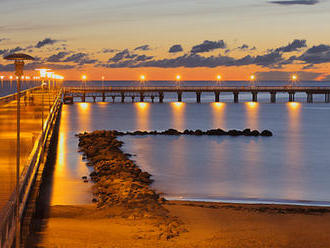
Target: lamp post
18, 59
43, 74
2, 77
252, 80
294, 79
178, 80
103, 82
11, 80
84, 79
142, 80
219, 78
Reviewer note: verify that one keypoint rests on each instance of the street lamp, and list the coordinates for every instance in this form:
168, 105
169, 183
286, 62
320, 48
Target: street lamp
83, 79
294, 79
178, 80
252, 80
18, 59
102, 81
142, 79
219, 78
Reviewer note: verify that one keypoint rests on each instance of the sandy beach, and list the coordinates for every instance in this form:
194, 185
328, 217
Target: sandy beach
207, 224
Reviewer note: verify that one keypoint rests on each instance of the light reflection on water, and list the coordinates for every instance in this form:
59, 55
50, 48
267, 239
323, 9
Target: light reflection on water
292, 165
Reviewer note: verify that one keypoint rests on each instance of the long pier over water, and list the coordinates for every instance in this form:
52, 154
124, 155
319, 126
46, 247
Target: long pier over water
157, 93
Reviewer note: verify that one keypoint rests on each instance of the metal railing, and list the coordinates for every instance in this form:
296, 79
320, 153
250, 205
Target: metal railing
27, 178
195, 88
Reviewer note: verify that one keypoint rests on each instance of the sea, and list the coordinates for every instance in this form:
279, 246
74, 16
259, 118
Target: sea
292, 167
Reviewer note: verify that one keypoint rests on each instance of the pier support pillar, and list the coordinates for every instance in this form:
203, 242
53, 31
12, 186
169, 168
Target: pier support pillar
179, 96
122, 97
103, 97
254, 96
236, 97
327, 97
310, 97
152, 99
94, 98
273, 97
83, 98
291, 96
198, 97
217, 96
161, 97
133, 97
141, 97
113, 99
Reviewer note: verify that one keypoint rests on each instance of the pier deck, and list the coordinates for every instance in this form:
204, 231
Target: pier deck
158, 92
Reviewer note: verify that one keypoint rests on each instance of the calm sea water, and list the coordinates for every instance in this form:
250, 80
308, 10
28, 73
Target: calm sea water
293, 166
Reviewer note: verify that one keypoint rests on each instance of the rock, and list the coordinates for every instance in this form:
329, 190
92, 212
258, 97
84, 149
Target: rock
172, 132
247, 132
266, 133
255, 133
84, 177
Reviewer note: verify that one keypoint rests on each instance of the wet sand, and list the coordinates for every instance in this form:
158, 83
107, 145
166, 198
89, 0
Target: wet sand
207, 224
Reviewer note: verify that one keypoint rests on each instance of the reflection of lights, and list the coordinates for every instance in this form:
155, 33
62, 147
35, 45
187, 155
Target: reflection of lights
252, 104
83, 105
142, 105
293, 105
218, 105
177, 104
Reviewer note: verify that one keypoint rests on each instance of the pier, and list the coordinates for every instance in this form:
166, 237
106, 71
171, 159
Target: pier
158, 93
41, 109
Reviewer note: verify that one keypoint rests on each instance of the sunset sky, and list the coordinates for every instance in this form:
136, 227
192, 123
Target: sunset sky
197, 39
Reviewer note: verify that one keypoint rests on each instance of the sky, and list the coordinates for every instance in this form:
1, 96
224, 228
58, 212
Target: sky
198, 39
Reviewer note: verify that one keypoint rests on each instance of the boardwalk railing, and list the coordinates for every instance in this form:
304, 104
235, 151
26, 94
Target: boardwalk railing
27, 179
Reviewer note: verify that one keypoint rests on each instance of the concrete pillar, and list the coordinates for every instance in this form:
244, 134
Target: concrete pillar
161, 97
217, 96
141, 97
273, 97
113, 98
254, 96
198, 97
236, 97
133, 97
291, 96
152, 98
103, 97
179, 96
83, 98
122, 97
327, 97
94, 98
309, 97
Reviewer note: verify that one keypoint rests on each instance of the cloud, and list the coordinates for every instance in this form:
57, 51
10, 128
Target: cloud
285, 76
143, 58
3, 39
105, 50
47, 41
143, 48
208, 46
296, 2
243, 47
316, 55
80, 59
293, 46
10, 51
175, 49
124, 54
57, 57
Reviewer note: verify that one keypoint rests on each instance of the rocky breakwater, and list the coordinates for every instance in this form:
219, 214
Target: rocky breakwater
211, 132
121, 186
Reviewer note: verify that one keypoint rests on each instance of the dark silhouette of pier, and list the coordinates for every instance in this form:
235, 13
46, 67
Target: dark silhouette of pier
157, 93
